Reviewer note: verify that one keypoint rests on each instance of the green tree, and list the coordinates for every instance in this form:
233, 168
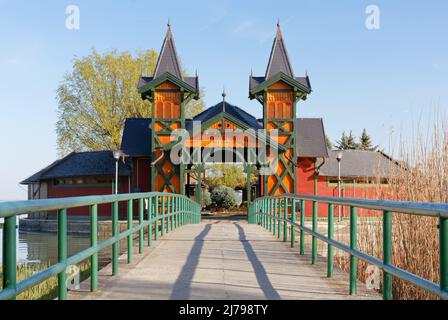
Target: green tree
229, 175
96, 97
365, 142
98, 94
347, 142
328, 142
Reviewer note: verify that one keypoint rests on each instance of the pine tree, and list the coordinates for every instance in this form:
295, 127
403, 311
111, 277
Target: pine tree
347, 142
342, 143
330, 145
365, 143
351, 142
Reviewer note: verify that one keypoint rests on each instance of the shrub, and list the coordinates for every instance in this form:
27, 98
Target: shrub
206, 199
224, 197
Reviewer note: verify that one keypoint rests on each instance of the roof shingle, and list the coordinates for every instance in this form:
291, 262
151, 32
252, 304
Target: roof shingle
81, 164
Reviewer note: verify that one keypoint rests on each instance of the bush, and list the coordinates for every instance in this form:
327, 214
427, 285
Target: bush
224, 197
206, 199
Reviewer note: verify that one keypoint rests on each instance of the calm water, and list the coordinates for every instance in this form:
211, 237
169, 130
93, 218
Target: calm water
43, 247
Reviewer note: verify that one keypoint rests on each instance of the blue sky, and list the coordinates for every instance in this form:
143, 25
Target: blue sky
381, 80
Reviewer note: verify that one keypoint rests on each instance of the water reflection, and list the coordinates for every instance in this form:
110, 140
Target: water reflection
43, 247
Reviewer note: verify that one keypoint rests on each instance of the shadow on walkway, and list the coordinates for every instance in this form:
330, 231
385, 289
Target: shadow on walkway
182, 287
262, 278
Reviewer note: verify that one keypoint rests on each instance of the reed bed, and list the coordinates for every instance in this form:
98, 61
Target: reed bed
422, 177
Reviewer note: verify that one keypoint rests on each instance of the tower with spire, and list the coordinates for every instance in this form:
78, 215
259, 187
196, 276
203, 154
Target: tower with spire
278, 91
169, 91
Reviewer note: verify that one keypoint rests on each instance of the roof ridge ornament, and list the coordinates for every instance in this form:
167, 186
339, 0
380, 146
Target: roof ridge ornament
279, 32
224, 98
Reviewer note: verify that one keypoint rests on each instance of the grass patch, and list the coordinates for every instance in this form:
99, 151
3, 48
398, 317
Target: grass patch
46, 290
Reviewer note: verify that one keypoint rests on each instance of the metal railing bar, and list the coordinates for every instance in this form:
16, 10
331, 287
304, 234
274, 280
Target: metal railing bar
422, 209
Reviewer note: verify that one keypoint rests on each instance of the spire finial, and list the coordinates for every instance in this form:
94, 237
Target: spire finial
251, 72
224, 94
279, 33
169, 23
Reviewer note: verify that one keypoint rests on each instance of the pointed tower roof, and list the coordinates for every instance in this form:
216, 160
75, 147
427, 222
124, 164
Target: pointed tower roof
279, 69
168, 69
279, 60
168, 60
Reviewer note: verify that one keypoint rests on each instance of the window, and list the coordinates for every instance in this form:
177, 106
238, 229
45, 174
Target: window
357, 182
83, 182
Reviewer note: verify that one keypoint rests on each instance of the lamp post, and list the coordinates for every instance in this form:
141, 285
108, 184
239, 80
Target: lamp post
339, 158
117, 155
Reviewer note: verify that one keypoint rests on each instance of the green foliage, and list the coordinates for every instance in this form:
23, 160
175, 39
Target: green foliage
229, 175
328, 142
206, 199
96, 97
46, 290
98, 94
195, 107
224, 197
347, 142
365, 143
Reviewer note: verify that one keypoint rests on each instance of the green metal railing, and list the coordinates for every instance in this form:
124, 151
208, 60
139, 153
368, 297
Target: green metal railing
267, 212
165, 212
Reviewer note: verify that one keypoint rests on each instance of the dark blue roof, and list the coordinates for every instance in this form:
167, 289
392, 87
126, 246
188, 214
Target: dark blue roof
136, 140
81, 164
234, 111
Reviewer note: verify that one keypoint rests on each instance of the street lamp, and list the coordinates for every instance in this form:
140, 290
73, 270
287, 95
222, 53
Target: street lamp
339, 158
117, 155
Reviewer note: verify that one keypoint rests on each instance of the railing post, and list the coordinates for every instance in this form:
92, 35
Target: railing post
130, 222
94, 243
150, 211
62, 253
279, 216
171, 217
353, 268
156, 222
140, 222
262, 210
167, 219
175, 210
285, 216
387, 254
270, 204
302, 222
330, 249
115, 246
443, 235
314, 239
162, 228
293, 219
274, 215
10, 253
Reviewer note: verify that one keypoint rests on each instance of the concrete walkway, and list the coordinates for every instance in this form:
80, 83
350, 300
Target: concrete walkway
221, 259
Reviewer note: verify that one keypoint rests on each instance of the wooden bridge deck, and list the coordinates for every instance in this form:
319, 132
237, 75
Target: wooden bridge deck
221, 259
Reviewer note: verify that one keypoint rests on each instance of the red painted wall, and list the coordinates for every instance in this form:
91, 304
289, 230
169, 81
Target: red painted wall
72, 191
305, 185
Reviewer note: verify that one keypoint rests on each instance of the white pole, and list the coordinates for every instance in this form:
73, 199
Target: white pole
116, 177
339, 189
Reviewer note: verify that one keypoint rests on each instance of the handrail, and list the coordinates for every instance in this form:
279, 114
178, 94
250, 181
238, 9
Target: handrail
272, 212
165, 212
